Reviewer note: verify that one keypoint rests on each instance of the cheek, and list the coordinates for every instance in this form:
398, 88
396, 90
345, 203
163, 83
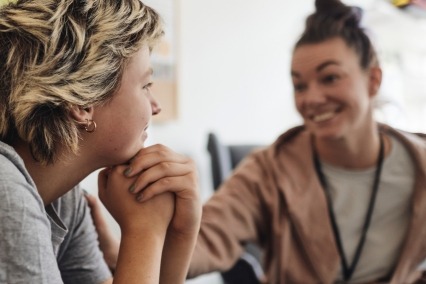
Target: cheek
142, 106
136, 115
298, 102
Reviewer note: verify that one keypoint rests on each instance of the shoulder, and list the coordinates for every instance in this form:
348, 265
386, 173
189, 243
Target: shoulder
409, 139
12, 167
414, 143
9, 170
21, 207
291, 146
22, 214
294, 140
16, 187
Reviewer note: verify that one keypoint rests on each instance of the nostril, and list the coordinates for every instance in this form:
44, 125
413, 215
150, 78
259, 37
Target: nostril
156, 109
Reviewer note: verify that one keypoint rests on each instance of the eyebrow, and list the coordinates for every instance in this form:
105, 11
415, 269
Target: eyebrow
149, 72
318, 69
325, 64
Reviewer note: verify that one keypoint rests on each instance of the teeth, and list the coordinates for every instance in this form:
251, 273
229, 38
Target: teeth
323, 116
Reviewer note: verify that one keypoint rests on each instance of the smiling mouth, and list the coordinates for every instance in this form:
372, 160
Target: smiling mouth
323, 116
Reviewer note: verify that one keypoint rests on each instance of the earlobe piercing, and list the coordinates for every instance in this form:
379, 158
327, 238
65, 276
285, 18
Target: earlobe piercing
90, 125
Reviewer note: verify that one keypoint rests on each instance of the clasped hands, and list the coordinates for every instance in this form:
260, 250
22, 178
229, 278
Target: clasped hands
157, 188
155, 193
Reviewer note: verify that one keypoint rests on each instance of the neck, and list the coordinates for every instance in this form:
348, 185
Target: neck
355, 152
54, 180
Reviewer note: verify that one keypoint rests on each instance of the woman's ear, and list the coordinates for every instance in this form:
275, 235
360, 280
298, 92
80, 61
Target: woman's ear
374, 80
81, 114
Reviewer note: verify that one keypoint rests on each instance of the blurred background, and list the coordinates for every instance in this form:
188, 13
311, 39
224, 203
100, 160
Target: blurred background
225, 68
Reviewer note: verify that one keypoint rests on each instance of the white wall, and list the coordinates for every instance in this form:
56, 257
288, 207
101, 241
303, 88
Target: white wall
233, 74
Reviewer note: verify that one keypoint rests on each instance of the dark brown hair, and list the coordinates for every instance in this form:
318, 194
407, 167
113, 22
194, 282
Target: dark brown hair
334, 19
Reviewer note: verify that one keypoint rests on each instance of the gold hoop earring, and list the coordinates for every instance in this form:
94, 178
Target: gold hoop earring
90, 126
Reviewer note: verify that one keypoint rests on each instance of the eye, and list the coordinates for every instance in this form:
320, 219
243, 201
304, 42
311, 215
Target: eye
330, 79
299, 87
148, 86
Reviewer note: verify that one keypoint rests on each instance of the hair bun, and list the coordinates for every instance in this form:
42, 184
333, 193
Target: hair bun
324, 6
349, 16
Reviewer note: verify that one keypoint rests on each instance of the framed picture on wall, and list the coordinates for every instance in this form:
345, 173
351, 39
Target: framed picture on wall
163, 60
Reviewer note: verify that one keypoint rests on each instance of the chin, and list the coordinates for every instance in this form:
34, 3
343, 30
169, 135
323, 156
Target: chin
326, 133
127, 156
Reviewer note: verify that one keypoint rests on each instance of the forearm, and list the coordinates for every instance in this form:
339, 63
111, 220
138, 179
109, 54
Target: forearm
139, 259
110, 247
176, 258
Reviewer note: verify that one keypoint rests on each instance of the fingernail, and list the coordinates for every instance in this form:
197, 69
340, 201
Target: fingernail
132, 188
128, 171
139, 198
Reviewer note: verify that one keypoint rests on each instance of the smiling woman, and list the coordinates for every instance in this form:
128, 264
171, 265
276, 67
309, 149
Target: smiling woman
338, 199
328, 93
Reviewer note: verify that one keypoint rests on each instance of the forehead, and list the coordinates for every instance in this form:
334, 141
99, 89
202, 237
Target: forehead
139, 62
312, 55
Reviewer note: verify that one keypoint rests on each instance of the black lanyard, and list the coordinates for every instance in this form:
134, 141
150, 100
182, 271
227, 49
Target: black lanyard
349, 270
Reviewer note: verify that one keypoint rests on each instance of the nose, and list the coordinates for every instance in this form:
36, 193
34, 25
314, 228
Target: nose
313, 96
155, 105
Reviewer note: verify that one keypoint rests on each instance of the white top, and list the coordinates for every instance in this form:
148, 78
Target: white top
351, 191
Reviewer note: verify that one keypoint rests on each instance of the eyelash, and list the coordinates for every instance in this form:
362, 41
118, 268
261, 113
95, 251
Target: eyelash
148, 86
329, 79
299, 87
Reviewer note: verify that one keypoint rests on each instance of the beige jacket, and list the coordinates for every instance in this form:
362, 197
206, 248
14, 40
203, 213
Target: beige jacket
275, 199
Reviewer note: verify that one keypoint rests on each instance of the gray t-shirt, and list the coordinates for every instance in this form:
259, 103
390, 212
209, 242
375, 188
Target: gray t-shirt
351, 192
53, 244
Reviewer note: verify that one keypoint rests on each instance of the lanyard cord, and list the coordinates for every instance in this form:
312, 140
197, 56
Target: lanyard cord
349, 270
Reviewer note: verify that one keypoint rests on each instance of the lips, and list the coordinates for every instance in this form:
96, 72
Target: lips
323, 116
144, 136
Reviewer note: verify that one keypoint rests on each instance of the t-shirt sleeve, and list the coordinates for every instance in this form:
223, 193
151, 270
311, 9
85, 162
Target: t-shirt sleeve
80, 259
26, 253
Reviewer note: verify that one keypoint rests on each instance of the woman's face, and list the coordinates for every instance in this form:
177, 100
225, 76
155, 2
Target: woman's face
122, 122
333, 93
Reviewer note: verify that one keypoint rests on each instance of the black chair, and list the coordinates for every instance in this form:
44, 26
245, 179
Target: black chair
224, 158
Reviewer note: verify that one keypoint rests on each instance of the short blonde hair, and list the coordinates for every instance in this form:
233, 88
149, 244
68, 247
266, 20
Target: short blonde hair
55, 54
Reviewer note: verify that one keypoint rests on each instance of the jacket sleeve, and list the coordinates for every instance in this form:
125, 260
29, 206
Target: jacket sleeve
234, 215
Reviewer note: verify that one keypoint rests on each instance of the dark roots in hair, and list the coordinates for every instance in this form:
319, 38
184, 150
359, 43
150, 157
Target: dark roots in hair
334, 19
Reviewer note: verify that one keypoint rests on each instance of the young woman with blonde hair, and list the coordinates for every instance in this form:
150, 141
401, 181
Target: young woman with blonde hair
75, 97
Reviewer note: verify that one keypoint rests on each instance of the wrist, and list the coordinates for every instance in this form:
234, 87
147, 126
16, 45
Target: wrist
157, 230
